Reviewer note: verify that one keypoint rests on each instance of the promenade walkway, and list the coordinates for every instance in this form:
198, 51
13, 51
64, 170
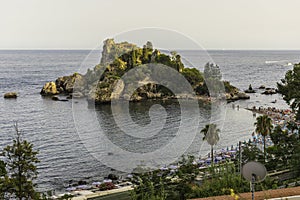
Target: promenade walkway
286, 193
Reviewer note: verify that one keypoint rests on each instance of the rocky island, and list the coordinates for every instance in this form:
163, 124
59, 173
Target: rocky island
101, 83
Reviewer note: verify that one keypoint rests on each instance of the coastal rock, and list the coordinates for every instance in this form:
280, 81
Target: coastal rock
262, 87
102, 92
10, 95
237, 96
49, 89
269, 91
118, 90
250, 91
112, 50
77, 95
55, 98
115, 90
242, 95
234, 98
66, 84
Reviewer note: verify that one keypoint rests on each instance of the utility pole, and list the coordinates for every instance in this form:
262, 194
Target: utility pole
240, 150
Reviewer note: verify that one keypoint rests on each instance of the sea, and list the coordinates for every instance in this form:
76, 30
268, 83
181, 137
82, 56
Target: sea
55, 129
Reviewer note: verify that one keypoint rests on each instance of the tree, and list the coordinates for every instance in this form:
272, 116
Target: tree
193, 76
282, 150
290, 89
3, 174
292, 126
263, 126
149, 45
21, 162
211, 135
167, 184
213, 79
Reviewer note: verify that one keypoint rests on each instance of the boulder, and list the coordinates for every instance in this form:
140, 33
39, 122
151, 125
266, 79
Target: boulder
270, 91
10, 95
242, 95
66, 84
76, 95
237, 96
249, 91
55, 98
49, 89
262, 87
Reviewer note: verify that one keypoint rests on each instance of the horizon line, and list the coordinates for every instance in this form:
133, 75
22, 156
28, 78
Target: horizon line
183, 49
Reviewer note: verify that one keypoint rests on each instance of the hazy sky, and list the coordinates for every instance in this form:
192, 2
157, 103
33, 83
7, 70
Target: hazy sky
215, 24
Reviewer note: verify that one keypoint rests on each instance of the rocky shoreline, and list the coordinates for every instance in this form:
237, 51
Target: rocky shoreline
63, 88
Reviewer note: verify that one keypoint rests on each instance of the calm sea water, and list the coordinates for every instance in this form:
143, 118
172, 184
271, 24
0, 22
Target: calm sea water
50, 125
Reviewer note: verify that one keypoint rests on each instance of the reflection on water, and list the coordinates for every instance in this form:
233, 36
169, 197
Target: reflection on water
139, 113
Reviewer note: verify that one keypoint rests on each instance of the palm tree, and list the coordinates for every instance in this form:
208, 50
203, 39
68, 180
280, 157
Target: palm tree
211, 135
263, 125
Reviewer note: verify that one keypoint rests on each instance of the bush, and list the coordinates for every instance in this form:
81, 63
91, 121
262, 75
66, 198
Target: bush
107, 186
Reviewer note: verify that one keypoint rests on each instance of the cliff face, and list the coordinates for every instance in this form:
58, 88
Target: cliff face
112, 50
64, 85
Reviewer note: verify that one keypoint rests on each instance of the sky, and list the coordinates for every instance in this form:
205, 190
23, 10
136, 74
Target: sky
214, 24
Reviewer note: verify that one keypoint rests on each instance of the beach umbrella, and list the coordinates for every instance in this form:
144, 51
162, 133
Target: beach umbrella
232, 151
201, 161
164, 168
83, 187
226, 156
173, 166
219, 158
96, 183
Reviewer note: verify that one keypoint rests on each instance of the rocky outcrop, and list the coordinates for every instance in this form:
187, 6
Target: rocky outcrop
270, 91
237, 96
112, 50
10, 95
49, 89
56, 98
242, 95
102, 92
250, 89
66, 84
116, 90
